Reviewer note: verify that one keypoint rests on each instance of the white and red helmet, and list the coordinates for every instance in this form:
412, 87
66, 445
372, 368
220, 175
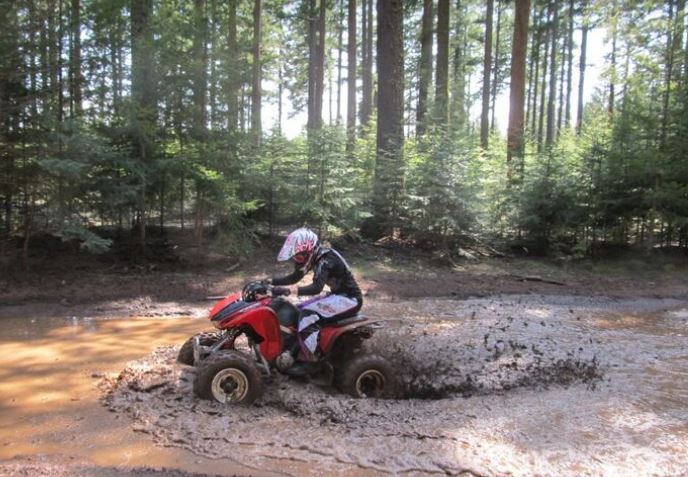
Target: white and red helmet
300, 245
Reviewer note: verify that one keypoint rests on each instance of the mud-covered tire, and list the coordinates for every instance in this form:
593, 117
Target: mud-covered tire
367, 375
186, 353
228, 377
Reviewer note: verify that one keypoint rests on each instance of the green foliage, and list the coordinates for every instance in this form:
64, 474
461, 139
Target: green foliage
623, 179
89, 241
440, 189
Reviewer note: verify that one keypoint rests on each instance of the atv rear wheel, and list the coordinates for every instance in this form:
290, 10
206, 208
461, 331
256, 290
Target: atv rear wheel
228, 377
186, 353
367, 375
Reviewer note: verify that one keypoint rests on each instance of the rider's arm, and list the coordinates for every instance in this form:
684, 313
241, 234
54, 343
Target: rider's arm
319, 279
294, 277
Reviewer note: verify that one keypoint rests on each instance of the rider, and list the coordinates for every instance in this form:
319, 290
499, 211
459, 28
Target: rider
329, 268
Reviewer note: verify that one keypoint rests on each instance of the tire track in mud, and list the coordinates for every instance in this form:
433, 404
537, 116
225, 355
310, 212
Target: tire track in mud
515, 385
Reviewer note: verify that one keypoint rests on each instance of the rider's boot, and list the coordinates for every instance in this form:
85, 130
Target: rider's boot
288, 357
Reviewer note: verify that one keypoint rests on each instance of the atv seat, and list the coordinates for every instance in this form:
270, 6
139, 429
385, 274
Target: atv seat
344, 321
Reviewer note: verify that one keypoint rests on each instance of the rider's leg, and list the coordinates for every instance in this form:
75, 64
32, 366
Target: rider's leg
309, 333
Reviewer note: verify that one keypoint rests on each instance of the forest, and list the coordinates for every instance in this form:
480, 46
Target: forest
372, 119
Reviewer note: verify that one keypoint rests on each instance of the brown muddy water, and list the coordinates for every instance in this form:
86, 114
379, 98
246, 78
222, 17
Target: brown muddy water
52, 422
513, 385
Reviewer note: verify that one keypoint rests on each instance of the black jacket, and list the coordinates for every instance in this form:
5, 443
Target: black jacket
329, 268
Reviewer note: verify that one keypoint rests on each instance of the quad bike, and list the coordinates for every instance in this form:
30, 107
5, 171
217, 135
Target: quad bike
229, 375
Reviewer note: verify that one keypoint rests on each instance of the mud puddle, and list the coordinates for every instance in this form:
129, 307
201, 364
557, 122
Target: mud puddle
52, 422
518, 385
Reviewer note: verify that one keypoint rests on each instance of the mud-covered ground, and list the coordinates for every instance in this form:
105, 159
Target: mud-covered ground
509, 366
508, 385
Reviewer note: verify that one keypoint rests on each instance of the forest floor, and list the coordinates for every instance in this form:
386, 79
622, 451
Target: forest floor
82, 338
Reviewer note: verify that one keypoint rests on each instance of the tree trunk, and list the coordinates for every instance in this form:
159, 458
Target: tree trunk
200, 78
320, 76
424, 67
143, 92
256, 123
316, 57
519, 48
495, 68
562, 81
543, 84
351, 80
367, 73
458, 109
75, 78
534, 77
581, 69
442, 67
612, 79
487, 68
389, 166
340, 47
551, 109
212, 93
233, 83
569, 75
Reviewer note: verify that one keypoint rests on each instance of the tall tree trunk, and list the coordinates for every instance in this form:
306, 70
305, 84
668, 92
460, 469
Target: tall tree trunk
424, 67
581, 68
143, 91
212, 93
340, 47
612, 75
320, 77
257, 76
562, 82
364, 56
673, 49
116, 73
569, 69
535, 64
458, 109
543, 84
316, 28
75, 77
442, 67
551, 109
495, 68
515, 143
200, 77
367, 66
351, 80
487, 68
233, 83
389, 166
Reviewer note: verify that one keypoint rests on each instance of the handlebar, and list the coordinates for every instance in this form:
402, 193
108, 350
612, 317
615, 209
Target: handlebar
251, 290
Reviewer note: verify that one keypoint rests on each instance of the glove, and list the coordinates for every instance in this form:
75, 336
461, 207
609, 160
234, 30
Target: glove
281, 291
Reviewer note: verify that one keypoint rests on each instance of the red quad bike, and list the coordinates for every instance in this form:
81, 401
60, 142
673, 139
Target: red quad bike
229, 375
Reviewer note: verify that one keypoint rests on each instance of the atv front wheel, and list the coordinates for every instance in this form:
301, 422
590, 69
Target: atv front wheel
367, 375
186, 353
228, 377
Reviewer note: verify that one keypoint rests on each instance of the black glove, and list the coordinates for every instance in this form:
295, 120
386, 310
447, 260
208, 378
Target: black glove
281, 291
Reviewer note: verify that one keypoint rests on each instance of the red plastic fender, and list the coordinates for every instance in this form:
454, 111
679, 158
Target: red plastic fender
329, 334
265, 323
223, 303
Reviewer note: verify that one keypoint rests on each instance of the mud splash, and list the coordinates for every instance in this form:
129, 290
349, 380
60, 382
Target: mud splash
520, 386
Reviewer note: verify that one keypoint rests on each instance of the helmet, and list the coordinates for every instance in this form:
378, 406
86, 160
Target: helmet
300, 245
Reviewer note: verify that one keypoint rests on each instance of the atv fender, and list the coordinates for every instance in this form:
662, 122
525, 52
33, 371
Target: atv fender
329, 334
